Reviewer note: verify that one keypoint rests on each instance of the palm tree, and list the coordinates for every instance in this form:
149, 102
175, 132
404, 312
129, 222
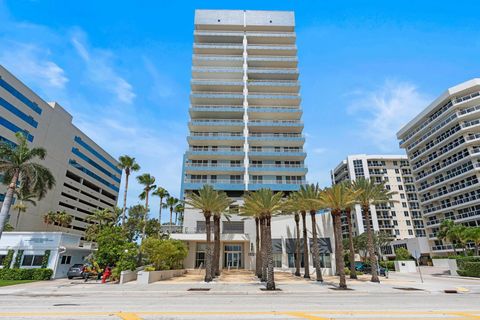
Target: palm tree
147, 181
292, 207
170, 203
18, 164
473, 234
451, 232
348, 215
309, 195
63, 219
23, 197
49, 218
179, 210
223, 202
127, 164
104, 217
161, 193
302, 207
249, 210
267, 203
369, 193
337, 198
206, 200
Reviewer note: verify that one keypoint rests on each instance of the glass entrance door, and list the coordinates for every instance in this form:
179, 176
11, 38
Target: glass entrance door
233, 256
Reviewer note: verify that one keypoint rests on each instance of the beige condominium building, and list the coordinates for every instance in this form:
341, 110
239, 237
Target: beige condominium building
246, 130
87, 177
400, 218
443, 146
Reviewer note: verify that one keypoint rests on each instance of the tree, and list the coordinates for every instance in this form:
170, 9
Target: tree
337, 198
249, 210
473, 234
302, 207
205, 201
291, 206
448, 231
164, 254
370, 193
402, 254
223, 202
18, 165
179, 211
63, 219
147, 181
128, 165
49, 218
309, 195
114, 247
267, 204
162, 194
134, 224
351, 253
170, 203
100, 219
23, 197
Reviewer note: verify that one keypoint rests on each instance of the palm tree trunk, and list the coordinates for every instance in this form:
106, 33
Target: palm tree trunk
370, 247
216, 248
171, 216
176, 215
339, 250
160, 212
315, 249
351, 256
270, 272
306, 261
18, 218
208, 254
7, 202
297, 246
264, 250
144, 229
258, 256
124, 209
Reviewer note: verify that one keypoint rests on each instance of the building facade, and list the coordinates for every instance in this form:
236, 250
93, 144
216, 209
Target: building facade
87, 177
443, 146
400, 218
54, 250
245, 127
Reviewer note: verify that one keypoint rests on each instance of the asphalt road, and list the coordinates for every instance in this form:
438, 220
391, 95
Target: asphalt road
74, 300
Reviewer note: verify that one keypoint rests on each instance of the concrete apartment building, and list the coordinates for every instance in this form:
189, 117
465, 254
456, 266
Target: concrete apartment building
87, 177
443, 146
400, 218
245, 129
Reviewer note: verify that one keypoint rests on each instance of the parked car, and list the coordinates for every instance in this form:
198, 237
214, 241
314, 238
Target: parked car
360, 266
75, 271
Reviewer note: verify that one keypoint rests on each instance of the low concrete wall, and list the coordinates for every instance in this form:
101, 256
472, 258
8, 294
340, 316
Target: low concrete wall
452, 266
127, 276
146, 277
440, 263
405, 266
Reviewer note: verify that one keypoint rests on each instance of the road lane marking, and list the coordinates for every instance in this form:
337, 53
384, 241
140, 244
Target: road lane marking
304, 316
127, 316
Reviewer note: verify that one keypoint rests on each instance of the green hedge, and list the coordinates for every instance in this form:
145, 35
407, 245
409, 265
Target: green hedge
26, 274
390, 265
461, 260
470, 269
7, 261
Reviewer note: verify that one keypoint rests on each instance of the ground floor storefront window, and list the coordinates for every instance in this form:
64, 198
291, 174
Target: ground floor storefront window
200, 255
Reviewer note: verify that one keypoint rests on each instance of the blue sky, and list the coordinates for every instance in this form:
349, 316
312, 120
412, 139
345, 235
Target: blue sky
123, 69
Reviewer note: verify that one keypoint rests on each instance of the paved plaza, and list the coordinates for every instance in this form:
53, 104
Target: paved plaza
239, 296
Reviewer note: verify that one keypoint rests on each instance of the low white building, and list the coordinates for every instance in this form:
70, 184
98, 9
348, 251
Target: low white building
63, 249
418, 247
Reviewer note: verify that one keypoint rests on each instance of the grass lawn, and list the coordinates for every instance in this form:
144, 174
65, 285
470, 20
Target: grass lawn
4, 283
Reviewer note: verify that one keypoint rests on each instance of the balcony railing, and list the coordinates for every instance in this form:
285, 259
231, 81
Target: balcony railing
213, 165
442, 247
275, 122
216, 134
274, 150
262, 165
215, 149
214, 181
276, 135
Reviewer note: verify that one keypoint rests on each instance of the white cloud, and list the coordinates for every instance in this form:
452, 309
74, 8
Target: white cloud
319, 150
384, 110
33, 64
100, 70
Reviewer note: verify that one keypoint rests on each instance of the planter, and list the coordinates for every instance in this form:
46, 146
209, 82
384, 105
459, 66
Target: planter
443, 263
405, 266
452, 266
127, 276
146, 277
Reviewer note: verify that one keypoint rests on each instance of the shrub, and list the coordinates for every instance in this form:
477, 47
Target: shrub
149, 268
7, 261
402, 254
461, 260
45, 259
164, 254
470, 269
18, 259
26, 274
390, 265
